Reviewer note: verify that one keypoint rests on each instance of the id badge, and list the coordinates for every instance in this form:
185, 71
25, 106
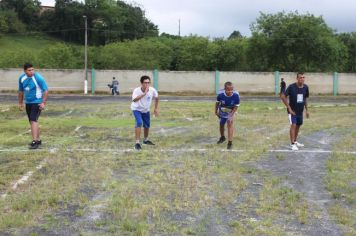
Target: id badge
300, 98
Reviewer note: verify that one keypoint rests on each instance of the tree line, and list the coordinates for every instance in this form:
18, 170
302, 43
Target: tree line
121, 37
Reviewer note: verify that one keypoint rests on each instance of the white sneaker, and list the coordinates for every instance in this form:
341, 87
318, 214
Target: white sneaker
298, 144
294, 147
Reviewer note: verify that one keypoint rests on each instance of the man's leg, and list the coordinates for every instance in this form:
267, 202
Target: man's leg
230, 131
222, 130
146, 132
292, 133
138, 133
296, 132
35, 131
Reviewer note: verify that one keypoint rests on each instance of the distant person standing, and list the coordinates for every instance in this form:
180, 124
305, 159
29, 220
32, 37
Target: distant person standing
140, 106
297, 93
115, 86
34, 89
227, 102
283, 87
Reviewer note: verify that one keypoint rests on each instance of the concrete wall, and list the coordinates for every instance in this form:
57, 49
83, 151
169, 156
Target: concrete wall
198, 82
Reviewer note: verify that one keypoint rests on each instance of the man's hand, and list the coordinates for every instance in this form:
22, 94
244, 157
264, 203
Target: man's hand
291, 111
217, 114
21, 106
307, 114
42, 106
230, 117
156, 112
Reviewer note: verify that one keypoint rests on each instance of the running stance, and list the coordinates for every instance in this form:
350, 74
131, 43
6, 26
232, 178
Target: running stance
226, 106
33, 87
297, 93
140, 106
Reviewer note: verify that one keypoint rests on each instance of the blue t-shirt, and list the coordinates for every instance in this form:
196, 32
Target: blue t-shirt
297, 97
227, 103
33, 87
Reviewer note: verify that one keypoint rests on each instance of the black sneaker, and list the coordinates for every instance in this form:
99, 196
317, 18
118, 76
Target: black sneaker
221, 140
148, 142
229, 145
39, 142
34, 145
138, 146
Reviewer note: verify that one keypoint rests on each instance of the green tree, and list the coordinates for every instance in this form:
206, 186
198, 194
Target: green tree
349, 40
293, 42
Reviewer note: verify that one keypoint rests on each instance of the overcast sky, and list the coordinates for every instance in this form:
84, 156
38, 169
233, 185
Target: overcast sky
219, 18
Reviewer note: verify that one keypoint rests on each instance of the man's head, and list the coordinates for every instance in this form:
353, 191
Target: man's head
300, 78
145, 81
229, 88
29, 70
113, 78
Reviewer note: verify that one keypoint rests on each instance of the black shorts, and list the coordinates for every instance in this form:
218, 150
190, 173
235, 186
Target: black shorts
33, 111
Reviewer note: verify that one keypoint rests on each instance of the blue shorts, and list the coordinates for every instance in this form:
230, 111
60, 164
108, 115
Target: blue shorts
142, 118
295, 119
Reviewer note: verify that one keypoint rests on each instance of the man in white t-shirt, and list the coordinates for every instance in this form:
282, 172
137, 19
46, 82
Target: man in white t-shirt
140, 106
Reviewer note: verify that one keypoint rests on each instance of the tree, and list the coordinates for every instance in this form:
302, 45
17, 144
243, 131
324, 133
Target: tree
235, 34
349, 40
294, 42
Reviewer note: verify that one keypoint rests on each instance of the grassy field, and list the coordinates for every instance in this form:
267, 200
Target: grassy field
87, 180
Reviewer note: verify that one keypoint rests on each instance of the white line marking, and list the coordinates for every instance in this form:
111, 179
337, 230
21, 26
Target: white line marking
67, 113
54, 150
6, 109
28, 131
77, 128
313, 151
25, 178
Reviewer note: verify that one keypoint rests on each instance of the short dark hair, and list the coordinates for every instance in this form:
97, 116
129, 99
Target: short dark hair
27, 65
300, 73
228, 83
144, 77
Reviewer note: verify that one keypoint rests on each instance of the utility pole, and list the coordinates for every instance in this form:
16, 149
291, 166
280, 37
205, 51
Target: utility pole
179, 27
86, 56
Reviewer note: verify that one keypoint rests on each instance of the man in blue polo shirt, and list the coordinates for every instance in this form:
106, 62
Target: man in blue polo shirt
297, 93
226, 106
34, 89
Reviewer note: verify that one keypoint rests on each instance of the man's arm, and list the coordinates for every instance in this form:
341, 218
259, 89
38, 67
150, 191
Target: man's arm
44, 100
306, 108
217, 109
20, 97
156, 110
285, 101
140, 96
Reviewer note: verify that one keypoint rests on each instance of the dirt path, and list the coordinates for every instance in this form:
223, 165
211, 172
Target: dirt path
305, 173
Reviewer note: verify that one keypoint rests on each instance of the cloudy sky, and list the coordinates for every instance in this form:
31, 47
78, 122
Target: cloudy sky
219, 18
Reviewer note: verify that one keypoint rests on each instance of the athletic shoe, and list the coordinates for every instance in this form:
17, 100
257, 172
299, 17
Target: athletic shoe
298, 144
221, 140
34, 145
148, 142
138, 146
39, 142
229, 145
294, 147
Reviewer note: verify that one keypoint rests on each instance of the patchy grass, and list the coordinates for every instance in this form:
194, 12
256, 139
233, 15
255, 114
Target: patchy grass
173, 191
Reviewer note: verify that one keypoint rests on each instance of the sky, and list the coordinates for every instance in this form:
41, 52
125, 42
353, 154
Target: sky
219, 18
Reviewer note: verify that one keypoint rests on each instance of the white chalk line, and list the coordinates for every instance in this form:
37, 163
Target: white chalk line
25, 178
53, 150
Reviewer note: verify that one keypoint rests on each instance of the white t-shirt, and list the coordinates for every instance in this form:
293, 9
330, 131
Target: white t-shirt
143, 105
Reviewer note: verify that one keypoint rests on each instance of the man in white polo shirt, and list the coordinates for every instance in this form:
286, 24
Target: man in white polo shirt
140, 106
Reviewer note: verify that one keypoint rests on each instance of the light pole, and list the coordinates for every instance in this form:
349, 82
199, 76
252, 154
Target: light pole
86, 56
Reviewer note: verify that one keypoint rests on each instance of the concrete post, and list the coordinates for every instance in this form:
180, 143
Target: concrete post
276, 82
335, 83
155, 79
92, 80
217, 81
